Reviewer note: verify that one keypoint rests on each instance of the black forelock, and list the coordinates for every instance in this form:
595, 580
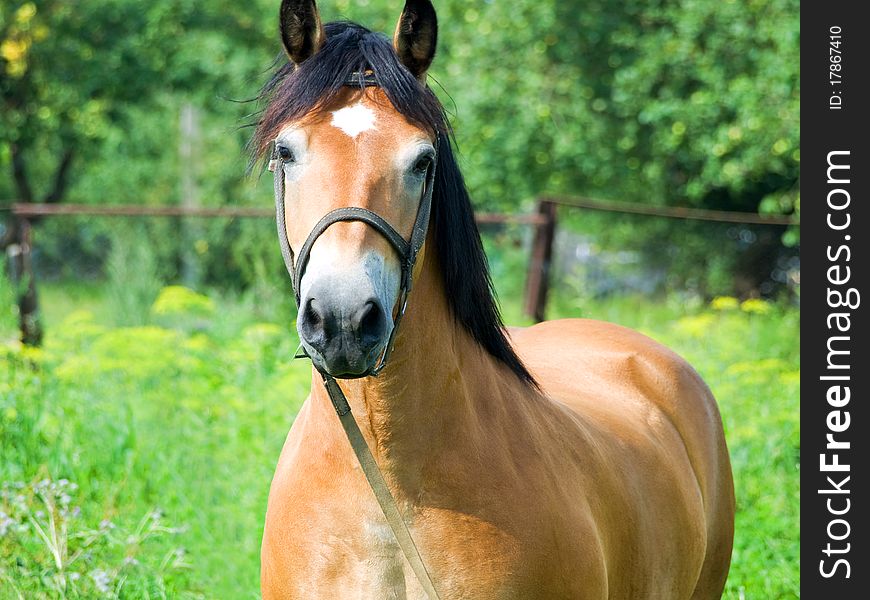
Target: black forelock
296, 90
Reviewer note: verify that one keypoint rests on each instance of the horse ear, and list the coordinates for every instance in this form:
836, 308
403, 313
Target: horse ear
416, 36
301, 30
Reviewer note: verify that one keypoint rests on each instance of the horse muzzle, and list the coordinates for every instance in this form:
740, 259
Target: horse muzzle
343, 325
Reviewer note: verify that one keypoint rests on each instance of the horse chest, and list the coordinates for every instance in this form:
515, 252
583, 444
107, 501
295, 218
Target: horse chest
330, 540
353, 554
366, 565
465, 570
383, 572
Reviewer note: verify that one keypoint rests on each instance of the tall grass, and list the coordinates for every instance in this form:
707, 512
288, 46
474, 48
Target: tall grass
160, 437
132, 271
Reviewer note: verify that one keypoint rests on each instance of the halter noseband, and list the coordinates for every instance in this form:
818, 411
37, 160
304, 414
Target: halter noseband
407, 250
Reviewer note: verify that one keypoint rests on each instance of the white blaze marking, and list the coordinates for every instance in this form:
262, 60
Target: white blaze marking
353, 120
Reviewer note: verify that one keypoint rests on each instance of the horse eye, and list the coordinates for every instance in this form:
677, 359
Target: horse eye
422, 165
285, 154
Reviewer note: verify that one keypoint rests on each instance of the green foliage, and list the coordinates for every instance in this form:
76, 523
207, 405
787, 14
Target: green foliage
190, 421
678, 103
57, 555
179, 306
714, 100
132, 275
681, 102
74, 73
8, 309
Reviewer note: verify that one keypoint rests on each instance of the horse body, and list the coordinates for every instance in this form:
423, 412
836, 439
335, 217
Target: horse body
612, 483
572, 459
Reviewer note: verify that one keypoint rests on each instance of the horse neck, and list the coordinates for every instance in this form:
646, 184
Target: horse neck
426, 397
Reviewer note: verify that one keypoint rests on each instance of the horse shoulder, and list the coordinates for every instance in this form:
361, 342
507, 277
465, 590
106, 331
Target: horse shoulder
593, 367
645, 407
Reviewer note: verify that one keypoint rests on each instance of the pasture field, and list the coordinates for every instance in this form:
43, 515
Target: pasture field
135, 461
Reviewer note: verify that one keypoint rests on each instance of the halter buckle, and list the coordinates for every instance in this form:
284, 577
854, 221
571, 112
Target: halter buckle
361, 79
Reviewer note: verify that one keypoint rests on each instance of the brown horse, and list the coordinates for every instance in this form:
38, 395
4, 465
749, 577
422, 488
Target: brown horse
572, 459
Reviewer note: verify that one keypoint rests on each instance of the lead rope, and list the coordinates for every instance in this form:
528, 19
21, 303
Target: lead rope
408, 251
379, 485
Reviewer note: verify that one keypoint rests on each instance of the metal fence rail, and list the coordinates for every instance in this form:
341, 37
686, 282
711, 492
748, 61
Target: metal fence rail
233, 212
543, 220
673, 212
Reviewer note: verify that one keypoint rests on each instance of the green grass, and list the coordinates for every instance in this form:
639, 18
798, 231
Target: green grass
187, 421
187, 414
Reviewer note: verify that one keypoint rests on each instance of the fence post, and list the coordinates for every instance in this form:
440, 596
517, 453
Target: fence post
538, 275
191, 231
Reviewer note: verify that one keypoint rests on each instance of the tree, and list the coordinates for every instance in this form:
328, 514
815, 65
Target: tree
679, 102
71, 71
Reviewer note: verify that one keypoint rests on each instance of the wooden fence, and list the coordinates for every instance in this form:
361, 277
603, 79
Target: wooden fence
537, 277
543, 220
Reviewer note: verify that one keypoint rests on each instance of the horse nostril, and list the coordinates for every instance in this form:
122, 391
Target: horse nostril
370, 324
311, 314
311, 323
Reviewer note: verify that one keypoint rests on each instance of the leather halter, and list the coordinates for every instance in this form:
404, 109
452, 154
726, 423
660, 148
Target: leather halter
407, 251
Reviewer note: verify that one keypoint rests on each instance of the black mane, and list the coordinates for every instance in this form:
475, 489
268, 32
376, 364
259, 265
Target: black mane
349, 48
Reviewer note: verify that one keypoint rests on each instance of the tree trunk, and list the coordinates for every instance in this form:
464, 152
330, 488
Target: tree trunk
21, 271
17, 242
